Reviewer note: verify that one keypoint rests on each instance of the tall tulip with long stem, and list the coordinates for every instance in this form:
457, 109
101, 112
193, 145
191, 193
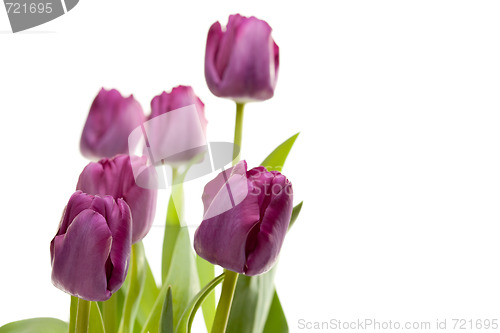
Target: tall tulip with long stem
230, 279
241, 63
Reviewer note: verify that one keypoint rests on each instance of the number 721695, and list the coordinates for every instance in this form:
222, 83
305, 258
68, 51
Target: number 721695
29, 8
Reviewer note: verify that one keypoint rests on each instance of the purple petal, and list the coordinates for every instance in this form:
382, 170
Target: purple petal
213, 188
80, 255
245, 238
120, 224
172, 135
77, 202
227, 43
242, 62
115, 177
211, 73
221, 239
264, 243
110, 121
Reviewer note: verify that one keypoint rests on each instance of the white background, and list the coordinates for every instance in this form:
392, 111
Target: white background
398, 161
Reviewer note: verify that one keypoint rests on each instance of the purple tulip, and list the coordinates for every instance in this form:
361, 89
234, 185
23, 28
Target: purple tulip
177, 135
111, 119
241, 62
246, 238
91, 250
115, 177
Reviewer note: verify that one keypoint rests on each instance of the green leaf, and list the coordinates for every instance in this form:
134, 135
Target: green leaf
276, 160
36, 325
183, 279
186, 321
173, 222
251, 303
95, 319
182, 275
295, 213
149, 295
152, 323
137, 272
167, 315
276, 320
206, 273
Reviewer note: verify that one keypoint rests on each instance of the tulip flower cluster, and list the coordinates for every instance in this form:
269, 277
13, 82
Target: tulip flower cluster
97, 254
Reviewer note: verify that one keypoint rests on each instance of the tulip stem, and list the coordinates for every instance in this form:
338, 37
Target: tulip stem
238, 132
229, 284
110, 313
82, 316
72, 314
135, 288
225, 301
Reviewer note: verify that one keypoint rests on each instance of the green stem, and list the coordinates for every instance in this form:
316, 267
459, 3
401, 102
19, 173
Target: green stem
110, 313
229, 284
82, 316
72, 314
226, 299
135, 288
238, 132
173, 221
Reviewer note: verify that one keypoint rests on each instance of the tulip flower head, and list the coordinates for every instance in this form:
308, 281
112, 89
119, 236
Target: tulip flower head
242, 61
248, 237
115, 177
111, 119
91, 250
175, 130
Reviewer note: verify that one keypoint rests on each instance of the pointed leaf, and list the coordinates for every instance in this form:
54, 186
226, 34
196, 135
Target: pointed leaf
295, 213
148, 297
277, 158
167, 314
183, 279
276, 320
186, 321
173, 222
36, 325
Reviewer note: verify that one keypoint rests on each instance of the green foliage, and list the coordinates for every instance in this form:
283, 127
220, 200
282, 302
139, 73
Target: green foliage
36, 325
167, 314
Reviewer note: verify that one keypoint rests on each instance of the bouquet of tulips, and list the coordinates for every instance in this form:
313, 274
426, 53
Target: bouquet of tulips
97, 254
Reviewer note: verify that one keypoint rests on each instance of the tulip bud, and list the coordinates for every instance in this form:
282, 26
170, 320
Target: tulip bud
111, 119
246, 238
241, 63
176, 137
91, 250
115, 177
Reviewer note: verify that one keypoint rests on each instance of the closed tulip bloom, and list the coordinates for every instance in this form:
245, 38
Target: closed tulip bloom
115, 177
91, 250
246, 238
111, 119
176, 137
241, 62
